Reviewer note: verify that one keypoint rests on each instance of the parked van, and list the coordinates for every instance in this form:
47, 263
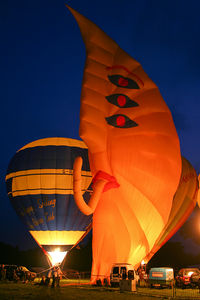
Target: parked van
121, 271
161, 276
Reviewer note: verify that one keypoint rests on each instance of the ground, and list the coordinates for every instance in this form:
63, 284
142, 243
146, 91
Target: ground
81, 290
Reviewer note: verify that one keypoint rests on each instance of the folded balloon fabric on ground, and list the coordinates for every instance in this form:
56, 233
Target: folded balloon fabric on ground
134, 155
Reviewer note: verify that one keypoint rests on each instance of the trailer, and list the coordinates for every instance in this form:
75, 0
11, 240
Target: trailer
161, 277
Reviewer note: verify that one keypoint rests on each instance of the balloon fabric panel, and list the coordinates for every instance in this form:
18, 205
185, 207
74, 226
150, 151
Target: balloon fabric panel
184, 202
198, 193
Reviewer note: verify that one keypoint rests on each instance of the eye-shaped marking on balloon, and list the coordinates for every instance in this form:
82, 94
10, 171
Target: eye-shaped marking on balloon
121, 121
121, 100
123, 82
120, 67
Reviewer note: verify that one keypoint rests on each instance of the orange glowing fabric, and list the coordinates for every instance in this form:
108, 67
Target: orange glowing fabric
132, 139
198, 194
183, 204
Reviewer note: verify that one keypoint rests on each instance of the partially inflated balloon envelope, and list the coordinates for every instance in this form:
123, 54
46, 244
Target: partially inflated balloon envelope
134, 153
184, 201
39, 184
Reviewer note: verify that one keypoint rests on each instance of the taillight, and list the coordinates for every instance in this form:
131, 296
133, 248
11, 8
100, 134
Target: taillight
186, 278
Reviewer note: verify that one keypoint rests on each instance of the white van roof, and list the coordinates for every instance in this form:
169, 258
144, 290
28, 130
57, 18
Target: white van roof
122, 264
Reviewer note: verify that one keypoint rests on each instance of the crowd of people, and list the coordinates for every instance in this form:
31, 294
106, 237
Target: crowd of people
55, 274
15, 273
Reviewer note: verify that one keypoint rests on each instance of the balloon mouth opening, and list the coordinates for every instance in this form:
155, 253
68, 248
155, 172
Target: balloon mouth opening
56, 256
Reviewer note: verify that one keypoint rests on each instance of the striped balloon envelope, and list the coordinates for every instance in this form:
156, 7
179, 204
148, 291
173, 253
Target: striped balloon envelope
39, 184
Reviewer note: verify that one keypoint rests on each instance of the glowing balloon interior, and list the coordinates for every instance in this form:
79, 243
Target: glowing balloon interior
39, 184
57, 256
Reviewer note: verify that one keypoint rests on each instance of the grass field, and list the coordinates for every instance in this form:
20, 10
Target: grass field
75, 290
16, 291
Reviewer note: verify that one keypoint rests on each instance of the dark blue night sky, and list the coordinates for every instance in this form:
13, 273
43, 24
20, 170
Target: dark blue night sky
42, 59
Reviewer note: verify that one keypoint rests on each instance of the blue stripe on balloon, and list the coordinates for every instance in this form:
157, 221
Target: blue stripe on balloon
48, 157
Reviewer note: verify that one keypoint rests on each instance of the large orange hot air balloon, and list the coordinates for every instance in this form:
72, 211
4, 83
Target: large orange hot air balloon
134, 153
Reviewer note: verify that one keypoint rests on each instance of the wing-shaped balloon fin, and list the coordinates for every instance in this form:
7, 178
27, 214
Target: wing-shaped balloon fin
183, 204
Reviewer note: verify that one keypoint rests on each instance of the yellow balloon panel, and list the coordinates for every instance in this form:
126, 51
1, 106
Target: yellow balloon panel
55, 141
42, 181
56, 237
